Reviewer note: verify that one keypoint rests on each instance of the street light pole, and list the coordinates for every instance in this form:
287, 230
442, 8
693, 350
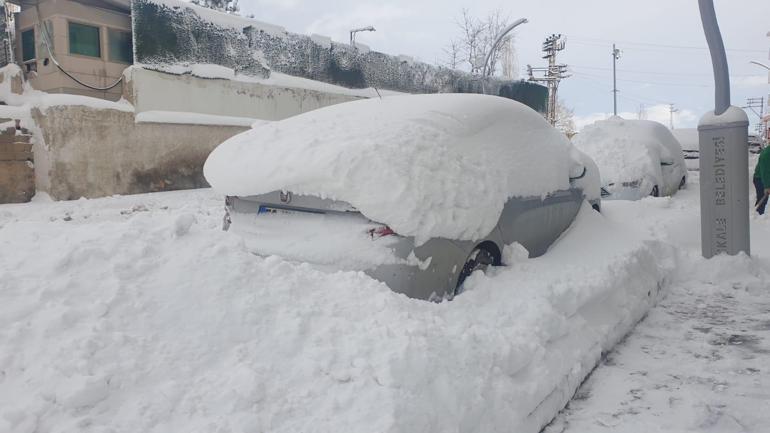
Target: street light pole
362, 29
497, 42
614, 81
724, 173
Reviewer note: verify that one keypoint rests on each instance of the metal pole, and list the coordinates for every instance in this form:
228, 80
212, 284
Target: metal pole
614, 82
718, 57
497, 42
724, 172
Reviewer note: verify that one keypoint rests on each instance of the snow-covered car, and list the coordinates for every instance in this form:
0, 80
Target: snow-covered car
689, 140
636, 158
417, 191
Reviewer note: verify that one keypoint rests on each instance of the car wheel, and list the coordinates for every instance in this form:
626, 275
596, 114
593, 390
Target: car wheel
655, 192
478, 260
682, 182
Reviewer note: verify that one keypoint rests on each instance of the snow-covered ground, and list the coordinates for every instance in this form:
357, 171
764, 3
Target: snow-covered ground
138, 313
700, 361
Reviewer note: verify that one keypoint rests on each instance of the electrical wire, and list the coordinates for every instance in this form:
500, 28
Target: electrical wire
46, 39
653, 45
652, 83
678, 74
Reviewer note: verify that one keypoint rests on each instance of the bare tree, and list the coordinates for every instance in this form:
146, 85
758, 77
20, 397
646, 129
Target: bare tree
476, 39
452, 52
229, 6
565, 118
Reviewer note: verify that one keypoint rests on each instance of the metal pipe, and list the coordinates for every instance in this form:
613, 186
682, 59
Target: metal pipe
614, 81
718, 56
498, 40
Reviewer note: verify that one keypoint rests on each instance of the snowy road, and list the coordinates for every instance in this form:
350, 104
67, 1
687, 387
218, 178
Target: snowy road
138, 313
700, 361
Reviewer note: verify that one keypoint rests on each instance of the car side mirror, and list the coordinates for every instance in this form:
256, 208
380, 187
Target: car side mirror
577, 173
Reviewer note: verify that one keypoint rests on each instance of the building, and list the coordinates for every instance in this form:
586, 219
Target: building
77, 47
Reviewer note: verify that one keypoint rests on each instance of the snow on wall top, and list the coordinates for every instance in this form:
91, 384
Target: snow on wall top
626, 150
168, 32
426, 165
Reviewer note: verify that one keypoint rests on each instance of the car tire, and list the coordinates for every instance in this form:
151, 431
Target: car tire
478, 260
655, 191
682, 183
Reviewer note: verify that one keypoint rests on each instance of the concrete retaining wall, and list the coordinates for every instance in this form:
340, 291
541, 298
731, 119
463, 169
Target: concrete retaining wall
94, 153
151, 90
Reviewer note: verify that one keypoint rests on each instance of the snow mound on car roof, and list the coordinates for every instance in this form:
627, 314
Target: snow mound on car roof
427, 165
626, 150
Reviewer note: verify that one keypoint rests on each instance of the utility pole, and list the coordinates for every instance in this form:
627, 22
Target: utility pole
553, 73
754, 104
671, 111
615, 58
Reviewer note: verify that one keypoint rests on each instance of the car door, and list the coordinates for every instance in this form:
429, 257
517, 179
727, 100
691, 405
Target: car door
669, 171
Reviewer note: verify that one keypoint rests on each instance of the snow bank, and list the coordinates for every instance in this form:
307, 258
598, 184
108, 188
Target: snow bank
627, 150
427, 165
138, 313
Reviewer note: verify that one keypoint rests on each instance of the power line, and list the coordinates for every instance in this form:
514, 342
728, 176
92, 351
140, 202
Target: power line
667, 46
601, 85
683, 74
653, 83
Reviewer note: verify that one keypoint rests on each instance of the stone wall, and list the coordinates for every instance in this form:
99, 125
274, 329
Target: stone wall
99, 152
17, 172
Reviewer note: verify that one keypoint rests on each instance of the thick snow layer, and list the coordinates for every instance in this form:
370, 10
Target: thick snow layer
427, 165
628, 150
138, 313
193, 118
276, 79
698, 362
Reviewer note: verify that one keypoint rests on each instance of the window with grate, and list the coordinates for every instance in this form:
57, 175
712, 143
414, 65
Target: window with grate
84, 40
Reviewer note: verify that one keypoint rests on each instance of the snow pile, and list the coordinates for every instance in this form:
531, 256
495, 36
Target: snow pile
427, 165
698, 362
628, 150
138, 313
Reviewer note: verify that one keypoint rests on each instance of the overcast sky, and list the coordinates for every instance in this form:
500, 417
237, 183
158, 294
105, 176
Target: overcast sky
664, 58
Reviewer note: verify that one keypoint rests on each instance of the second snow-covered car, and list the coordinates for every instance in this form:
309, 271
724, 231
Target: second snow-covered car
689, 140
417, 191
636, 158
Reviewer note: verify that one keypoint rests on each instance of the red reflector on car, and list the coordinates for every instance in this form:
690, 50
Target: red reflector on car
381, 231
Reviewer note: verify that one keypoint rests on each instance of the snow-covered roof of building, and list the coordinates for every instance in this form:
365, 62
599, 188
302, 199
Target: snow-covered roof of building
438, 165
